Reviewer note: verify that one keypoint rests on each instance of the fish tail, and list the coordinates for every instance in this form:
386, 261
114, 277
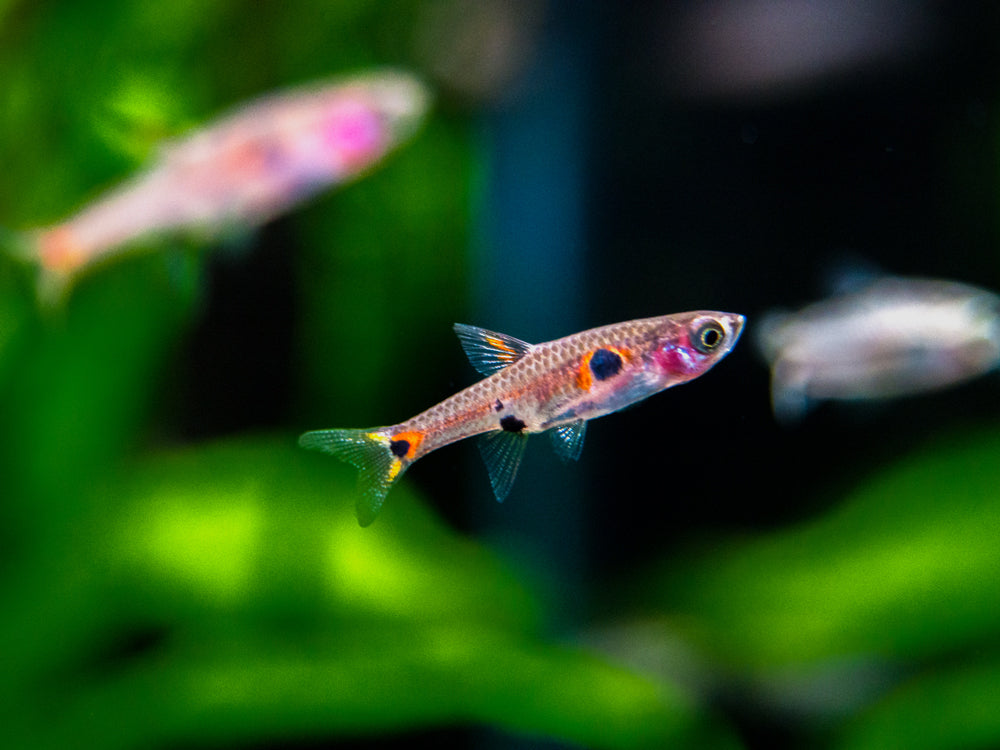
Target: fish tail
58, 255
44, 252
379, 458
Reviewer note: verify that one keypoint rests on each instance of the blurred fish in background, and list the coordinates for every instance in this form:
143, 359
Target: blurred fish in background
894, 337
734, 48
479, 49
240, 171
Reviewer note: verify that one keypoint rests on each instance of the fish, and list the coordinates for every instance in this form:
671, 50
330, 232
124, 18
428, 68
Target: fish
554, 387
894, 336
242, 170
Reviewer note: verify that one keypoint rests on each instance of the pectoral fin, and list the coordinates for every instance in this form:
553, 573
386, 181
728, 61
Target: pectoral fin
567, 439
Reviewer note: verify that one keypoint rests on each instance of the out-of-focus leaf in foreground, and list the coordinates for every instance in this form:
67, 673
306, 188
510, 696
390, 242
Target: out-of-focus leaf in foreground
258, 608
904, 568
954, 707
76, 385
897, 581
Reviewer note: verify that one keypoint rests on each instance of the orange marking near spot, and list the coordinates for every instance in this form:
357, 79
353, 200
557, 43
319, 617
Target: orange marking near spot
584, 375
413, 438
584, 378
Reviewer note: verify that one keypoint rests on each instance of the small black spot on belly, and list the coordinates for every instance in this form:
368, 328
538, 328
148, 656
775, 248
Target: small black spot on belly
511, 423
498, 406
605, 363
399, 447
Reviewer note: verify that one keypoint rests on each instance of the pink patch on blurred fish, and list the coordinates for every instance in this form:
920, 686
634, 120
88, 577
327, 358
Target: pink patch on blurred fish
355, 133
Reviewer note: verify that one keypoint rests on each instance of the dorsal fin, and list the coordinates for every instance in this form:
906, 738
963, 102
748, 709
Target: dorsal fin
489, 351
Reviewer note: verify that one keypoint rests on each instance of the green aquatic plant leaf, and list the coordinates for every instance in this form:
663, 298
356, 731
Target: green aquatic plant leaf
269, 613
954, 706
77, 395
373, 682
903, 568
283, 538
16, 313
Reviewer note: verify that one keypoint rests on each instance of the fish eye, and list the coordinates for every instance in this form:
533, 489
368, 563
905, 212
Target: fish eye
708, 337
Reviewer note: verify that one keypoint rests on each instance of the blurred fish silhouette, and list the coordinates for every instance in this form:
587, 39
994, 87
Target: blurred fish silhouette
240, 171
556, 387
892, 337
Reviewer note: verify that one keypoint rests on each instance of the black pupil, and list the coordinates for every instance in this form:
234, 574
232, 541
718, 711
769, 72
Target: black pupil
710, 337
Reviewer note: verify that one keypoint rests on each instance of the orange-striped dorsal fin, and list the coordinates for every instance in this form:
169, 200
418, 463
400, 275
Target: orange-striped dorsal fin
489, 351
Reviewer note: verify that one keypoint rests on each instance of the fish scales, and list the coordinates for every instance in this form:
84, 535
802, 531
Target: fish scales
525, 388
553, 387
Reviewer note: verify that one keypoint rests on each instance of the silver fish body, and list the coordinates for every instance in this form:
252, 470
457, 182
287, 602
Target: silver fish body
554, 387
895, 336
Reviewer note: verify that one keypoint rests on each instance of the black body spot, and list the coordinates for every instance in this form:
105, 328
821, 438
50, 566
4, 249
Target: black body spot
498, 406
605, 363
399, 448
510, 423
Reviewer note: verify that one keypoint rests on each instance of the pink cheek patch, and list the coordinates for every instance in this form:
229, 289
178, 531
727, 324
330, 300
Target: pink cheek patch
355, 134
677, 360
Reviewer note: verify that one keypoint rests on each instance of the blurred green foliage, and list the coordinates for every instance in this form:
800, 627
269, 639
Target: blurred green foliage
223, 593
886, 606
899, 569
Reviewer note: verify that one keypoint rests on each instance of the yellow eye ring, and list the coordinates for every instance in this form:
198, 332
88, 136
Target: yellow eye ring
708, 337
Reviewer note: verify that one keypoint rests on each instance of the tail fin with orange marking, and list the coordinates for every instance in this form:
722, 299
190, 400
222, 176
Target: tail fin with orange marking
373, 453
30, 248
59, 257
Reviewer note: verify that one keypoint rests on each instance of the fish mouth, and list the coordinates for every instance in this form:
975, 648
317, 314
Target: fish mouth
402, 98
736, 323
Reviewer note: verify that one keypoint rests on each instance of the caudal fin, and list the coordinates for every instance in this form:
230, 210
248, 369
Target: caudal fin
29, 248
370, 452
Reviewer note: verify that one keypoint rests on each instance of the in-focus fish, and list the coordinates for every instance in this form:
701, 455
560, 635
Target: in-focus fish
556, 386
895, 336
244, 169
